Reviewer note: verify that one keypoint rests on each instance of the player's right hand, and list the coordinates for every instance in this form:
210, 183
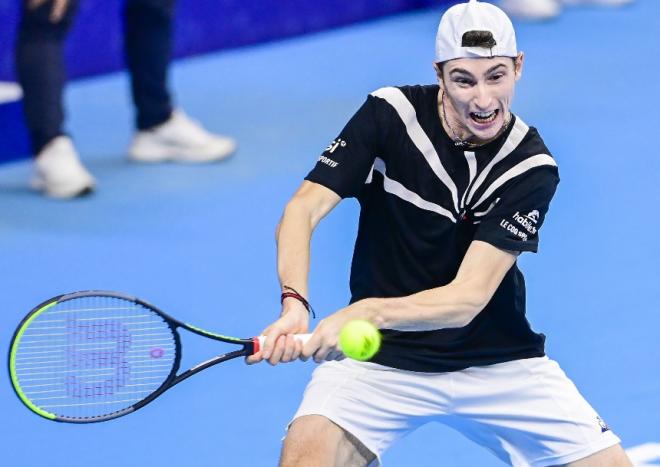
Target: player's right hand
280, 345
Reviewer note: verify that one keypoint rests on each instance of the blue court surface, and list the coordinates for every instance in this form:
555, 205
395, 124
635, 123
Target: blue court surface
198, 241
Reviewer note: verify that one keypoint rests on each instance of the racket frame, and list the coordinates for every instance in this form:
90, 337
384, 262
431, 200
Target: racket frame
249, 346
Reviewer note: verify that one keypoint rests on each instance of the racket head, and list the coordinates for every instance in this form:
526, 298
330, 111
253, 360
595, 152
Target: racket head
92, 356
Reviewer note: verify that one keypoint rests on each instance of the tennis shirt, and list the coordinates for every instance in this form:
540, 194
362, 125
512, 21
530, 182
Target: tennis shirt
423, 201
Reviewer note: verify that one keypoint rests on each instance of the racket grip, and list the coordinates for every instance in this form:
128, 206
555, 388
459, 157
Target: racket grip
261, 340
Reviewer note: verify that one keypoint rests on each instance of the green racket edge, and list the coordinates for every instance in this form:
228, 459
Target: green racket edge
54, 301
12, 364
214, 335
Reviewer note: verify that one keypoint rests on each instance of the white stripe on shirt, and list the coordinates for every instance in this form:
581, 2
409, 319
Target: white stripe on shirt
520, 168
515, 137
420, 139
397, 189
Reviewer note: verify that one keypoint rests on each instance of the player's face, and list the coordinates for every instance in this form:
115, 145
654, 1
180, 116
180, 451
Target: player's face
478, 94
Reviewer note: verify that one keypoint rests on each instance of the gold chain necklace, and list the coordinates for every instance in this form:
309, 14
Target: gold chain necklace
458, 142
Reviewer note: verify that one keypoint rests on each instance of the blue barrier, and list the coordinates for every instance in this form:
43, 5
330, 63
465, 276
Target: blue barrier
13, 134
201, 26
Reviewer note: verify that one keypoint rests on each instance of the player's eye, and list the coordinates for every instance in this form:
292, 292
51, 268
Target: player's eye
463, 81
496, 77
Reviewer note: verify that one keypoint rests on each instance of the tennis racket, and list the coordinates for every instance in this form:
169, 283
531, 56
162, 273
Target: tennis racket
95, 355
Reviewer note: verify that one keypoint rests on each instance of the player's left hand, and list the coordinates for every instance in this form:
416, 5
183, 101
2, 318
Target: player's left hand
324, 343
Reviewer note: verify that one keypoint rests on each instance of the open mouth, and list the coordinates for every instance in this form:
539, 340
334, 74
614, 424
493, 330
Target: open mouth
484, 117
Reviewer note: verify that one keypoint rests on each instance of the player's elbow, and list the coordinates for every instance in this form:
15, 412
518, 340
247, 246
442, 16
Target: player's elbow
301, 210
474, 301
468, 312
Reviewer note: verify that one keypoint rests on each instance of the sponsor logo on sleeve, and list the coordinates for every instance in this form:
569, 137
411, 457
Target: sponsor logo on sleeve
335, 144
522, 226
329, 150
329, 162
528, 222
533, 216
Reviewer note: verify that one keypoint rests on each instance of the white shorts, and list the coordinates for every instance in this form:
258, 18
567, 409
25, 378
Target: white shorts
526, 412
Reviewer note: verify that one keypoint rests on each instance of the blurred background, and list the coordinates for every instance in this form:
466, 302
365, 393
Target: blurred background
282, 78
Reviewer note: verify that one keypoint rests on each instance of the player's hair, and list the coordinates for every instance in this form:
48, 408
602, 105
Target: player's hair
478, 39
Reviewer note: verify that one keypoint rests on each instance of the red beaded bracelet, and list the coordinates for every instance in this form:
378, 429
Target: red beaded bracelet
294, 294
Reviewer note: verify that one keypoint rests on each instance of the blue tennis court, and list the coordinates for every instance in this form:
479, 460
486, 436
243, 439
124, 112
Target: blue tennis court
198, 241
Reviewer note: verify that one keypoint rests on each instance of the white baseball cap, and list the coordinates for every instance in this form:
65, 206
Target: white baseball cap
451, 41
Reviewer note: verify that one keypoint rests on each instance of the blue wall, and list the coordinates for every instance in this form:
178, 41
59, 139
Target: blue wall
201, 26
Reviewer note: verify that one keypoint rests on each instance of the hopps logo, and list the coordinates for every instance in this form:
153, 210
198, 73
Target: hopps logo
522, 226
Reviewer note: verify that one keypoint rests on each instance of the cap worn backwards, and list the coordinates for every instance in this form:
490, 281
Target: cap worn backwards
472, 30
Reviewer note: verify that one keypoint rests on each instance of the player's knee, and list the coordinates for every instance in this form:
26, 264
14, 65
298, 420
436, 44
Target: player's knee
310, 441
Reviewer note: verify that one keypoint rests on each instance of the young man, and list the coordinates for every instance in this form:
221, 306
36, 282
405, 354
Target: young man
163, 133
452, 188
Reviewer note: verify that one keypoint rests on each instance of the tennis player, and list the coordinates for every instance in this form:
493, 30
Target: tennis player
452, 188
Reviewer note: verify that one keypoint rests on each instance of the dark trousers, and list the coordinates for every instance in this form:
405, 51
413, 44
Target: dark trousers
42, 75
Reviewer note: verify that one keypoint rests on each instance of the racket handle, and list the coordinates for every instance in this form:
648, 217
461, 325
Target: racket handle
261, 340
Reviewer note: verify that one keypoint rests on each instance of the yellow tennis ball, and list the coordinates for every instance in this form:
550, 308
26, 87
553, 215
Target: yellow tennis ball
359, 339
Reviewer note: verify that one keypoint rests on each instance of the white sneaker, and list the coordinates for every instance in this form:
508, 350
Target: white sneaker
532, 10
180, 139
59, 172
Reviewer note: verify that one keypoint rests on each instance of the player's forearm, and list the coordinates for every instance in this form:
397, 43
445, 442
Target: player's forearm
293, 237
450, 306
453, 305
301, 216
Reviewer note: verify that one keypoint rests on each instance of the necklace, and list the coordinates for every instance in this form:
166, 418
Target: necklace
458, 142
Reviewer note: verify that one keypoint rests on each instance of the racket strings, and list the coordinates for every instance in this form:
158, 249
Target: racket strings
91, 356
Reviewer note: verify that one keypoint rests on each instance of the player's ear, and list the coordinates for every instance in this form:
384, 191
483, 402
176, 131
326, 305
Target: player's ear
437, 66
518, 65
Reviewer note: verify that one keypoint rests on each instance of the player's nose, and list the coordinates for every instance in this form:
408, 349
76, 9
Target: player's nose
482, 98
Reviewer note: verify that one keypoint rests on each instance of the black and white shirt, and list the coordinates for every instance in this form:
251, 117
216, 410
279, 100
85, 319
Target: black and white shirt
423, 201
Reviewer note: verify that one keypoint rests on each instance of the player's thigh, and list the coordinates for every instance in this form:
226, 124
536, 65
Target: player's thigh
313, 440
613, 456
528, 412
